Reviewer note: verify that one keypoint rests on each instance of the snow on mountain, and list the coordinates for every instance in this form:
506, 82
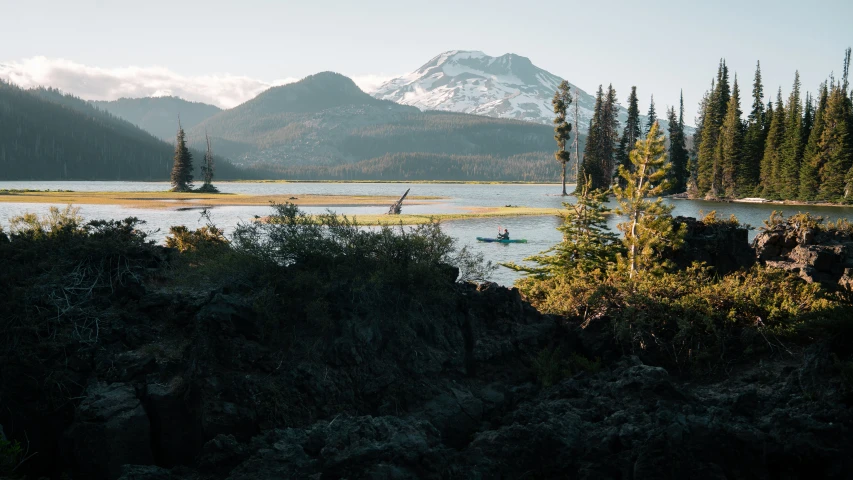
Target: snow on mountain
509, 86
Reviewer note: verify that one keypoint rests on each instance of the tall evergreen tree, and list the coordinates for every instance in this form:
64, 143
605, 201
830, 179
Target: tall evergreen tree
591, 166
812, 162
610, 134
835, 147
771, 160
792, 148
648, 228
708, 179
182, 169
755, 136
693, 159
733, 172
631, 133
652, 116
562, 128
678, 155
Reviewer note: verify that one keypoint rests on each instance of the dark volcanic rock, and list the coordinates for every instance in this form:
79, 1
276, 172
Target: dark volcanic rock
818, 254
720, 244
111, 429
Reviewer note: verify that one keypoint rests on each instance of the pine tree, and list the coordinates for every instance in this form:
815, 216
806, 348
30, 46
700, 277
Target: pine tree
631, 133
708, 170
610, 135
733, 172
792, 148
652, 116
648, 228
835, 147
678, 155
562, 128
771, 160
693, 158
588, 243
591, 166
812, 162
755, 136
182, 170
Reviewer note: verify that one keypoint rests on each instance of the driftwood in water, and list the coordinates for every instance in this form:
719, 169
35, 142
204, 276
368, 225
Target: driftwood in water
397, 207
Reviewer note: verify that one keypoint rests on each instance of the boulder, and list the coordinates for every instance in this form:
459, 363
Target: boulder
110, 429
722, 245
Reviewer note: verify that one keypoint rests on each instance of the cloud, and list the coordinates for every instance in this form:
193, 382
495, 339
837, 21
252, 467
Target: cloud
95, 83
371, 83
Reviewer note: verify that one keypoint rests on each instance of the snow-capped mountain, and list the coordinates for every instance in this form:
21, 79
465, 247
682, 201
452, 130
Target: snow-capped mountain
509, 86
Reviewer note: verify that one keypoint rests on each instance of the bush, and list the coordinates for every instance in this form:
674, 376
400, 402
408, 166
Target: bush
201, 239
690, 319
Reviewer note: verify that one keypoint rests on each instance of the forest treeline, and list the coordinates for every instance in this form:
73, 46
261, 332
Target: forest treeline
48, 135
794, 149
528, 167
605, 149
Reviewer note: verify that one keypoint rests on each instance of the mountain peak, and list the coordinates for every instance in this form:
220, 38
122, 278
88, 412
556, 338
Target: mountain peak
469, 81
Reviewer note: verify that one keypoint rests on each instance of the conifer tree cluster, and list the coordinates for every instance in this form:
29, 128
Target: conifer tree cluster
599, 156
796, 149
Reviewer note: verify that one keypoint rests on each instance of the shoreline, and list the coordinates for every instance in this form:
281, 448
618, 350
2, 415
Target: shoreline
764, 201
182, 200
415, 182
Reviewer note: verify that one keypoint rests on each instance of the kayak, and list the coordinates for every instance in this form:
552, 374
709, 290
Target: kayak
495, 240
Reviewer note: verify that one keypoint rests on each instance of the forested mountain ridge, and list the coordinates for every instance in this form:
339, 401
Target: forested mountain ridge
326, 121
47, 135
159, 115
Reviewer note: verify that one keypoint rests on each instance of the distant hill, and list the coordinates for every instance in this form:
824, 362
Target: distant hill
325, 121
159, 115
47, 135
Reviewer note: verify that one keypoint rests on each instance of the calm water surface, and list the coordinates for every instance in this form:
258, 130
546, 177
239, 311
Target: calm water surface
540, 232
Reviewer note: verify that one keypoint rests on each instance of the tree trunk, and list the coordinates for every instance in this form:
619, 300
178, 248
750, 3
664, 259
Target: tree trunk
564, 179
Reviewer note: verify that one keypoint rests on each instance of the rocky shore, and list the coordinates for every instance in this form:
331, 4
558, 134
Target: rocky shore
192, 384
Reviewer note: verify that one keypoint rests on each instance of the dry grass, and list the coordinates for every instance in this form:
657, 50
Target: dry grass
175, 200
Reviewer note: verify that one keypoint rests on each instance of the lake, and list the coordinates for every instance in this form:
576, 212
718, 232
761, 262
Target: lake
540, 232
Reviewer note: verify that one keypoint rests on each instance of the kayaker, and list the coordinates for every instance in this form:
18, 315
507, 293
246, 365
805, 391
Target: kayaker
503, 236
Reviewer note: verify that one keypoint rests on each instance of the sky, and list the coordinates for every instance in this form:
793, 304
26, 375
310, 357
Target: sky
227, 51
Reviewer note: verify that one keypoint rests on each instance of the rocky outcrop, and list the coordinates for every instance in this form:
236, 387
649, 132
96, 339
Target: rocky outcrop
110, 429
722, 245
817, 253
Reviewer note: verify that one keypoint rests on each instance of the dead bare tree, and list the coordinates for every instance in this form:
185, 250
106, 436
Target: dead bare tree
397, 206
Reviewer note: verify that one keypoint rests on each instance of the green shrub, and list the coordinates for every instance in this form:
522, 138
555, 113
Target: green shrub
550, 367
581, 363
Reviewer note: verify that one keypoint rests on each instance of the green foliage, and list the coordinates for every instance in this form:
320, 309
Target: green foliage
550, 367
182, 169
648, 229
11, 456
599, 160
678, 155
652, 116
792, 147
733, 173
631, 133
208, 169
581, 363
587, 241
562, 128
771, 162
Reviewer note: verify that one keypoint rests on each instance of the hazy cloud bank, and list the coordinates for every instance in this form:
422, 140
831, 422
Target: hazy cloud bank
95, 83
